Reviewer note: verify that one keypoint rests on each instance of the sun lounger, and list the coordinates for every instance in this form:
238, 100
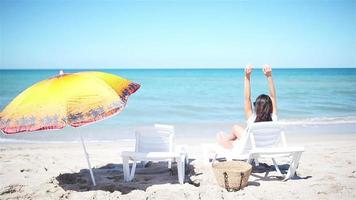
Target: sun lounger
262, 140
155, 144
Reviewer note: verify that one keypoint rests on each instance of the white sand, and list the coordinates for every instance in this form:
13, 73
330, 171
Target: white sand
327, 170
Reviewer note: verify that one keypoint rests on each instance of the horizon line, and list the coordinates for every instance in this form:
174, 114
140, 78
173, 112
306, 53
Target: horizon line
168, 68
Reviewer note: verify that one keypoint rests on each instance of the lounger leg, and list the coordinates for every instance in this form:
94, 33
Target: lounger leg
186, 161
250, 159
181, 169
293, 165
277, 168
126, 168
183, 165
133, 169
170, 164
256, 162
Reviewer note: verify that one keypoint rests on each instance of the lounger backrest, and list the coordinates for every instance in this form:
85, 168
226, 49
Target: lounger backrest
266, 135
158, 138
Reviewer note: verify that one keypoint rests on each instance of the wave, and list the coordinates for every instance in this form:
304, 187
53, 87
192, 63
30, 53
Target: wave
319, 120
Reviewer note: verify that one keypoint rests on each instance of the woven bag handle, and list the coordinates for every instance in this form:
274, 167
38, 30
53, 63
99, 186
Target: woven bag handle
226, 182
242, 177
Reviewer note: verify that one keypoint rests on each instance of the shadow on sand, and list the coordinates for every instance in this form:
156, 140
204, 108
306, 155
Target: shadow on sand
266, 169
111, 178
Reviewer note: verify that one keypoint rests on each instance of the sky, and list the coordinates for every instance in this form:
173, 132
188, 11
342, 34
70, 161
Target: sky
177, 34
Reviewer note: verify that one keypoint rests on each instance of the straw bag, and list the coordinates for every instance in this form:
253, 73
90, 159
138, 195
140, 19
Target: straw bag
232, 175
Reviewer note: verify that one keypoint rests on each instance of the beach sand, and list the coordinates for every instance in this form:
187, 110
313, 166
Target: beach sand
327, 170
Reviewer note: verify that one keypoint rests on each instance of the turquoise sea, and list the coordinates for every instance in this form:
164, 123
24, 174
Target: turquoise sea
202, 101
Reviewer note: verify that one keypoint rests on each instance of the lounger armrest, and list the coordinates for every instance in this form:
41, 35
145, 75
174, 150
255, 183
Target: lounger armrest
278, 150
150, 155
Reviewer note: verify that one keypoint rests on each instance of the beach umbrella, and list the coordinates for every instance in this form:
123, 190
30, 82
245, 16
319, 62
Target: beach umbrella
73, 99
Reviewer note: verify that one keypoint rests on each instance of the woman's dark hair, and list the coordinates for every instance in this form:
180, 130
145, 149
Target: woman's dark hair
263, 108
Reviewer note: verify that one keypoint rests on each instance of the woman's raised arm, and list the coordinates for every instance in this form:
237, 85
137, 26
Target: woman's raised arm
248, 104
267, 70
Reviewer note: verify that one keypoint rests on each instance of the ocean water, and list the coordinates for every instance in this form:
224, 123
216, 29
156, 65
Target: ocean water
202, 101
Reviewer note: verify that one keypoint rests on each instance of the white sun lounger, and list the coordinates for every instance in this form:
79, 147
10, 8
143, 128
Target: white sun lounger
155, 144
262, 140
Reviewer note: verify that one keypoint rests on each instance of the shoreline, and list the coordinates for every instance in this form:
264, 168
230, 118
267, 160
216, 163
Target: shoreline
297, 137
183, 131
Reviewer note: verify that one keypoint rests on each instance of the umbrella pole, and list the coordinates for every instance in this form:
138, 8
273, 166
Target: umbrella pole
87, 158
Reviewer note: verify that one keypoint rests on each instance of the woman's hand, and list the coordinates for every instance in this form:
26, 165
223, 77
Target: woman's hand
267, 70
248, 70
248, 104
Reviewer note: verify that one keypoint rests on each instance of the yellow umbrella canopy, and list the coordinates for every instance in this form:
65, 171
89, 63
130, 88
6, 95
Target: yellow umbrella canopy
74, 99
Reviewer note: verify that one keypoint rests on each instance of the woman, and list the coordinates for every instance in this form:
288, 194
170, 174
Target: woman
265, 108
